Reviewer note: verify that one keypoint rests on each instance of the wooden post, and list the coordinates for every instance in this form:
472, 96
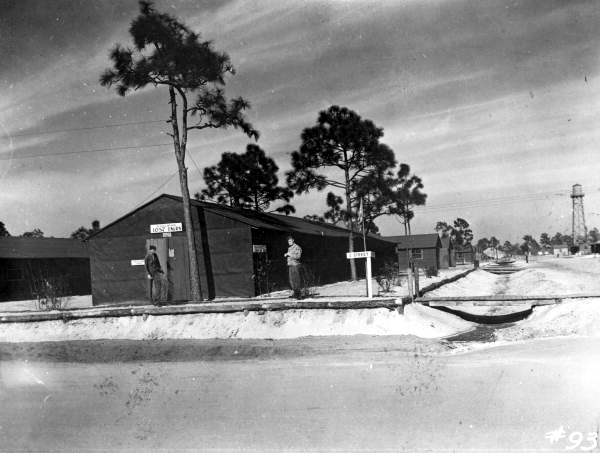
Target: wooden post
369, 279
409, 283
416, 271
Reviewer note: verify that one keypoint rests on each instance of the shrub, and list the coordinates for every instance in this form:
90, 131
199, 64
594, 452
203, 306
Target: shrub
49, 292
309, 280
388, 277
262, 275
431, 271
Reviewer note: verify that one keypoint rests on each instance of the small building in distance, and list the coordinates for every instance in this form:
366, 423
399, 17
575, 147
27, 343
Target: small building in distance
560, 249
240, 252
27, 262
423, 249
465, 254
447, 256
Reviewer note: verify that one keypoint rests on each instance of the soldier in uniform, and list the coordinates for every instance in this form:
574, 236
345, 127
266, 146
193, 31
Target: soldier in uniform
293, 256
156, 276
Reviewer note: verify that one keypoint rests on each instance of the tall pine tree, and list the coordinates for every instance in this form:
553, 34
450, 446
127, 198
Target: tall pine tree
168, 54
343, 141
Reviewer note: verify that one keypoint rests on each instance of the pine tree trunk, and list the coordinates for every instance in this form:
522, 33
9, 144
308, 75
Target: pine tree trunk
351, 225
196, 291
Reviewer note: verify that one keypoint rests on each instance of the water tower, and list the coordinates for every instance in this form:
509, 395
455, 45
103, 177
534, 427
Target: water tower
579, 229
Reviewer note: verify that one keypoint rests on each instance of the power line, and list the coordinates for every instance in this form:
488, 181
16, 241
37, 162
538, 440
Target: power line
520, 196
166, 182
75, 129
83, 151
477, 205
157, 189
194, 161
492, 201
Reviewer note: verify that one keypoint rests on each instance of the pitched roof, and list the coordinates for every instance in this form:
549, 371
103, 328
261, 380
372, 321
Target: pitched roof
19, 247
416, 241
277, 222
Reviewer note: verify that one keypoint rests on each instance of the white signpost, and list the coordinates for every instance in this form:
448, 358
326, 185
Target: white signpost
368, 256
166, 227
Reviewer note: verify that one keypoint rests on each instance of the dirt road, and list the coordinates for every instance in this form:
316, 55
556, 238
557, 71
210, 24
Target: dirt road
545, 276
313, 394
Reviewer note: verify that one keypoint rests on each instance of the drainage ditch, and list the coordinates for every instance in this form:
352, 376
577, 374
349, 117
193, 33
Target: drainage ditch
488, 319
480, 334
485, 332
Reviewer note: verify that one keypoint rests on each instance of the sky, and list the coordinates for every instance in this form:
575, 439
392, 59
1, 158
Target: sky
494, 104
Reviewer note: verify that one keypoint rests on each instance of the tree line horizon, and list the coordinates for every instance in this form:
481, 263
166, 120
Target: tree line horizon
459, 233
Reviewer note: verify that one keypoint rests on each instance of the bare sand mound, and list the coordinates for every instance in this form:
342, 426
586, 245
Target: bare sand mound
573, 317
479, 282
544, 282
417, 320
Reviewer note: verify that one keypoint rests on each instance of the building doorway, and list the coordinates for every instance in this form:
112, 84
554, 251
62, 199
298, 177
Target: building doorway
173, 256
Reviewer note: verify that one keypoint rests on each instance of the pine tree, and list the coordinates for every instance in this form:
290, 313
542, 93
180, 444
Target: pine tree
459, 232
168, 54
246, 180
35, 233
341, 140
82, 233
3, 231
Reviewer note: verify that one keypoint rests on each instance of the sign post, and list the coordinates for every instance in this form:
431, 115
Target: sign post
368, 256
409, 270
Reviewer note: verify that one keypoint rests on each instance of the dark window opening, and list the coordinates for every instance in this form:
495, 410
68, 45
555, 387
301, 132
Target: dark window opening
416, 254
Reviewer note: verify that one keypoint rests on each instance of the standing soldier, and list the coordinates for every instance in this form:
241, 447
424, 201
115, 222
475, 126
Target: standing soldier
155, 275
293, 261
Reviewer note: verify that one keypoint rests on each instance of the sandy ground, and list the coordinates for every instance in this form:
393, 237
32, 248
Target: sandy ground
306, 395
413, 320
545, 276
392, 390
416, 320
347, 289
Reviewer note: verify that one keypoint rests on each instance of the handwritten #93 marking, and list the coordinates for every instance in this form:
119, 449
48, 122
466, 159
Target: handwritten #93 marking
576, 439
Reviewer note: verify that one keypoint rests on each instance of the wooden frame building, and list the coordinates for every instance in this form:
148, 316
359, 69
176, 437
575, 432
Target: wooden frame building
240, 252
465, 254
423, 249
26, 262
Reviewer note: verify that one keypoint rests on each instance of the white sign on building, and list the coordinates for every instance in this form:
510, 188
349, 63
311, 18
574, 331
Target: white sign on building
166, 227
